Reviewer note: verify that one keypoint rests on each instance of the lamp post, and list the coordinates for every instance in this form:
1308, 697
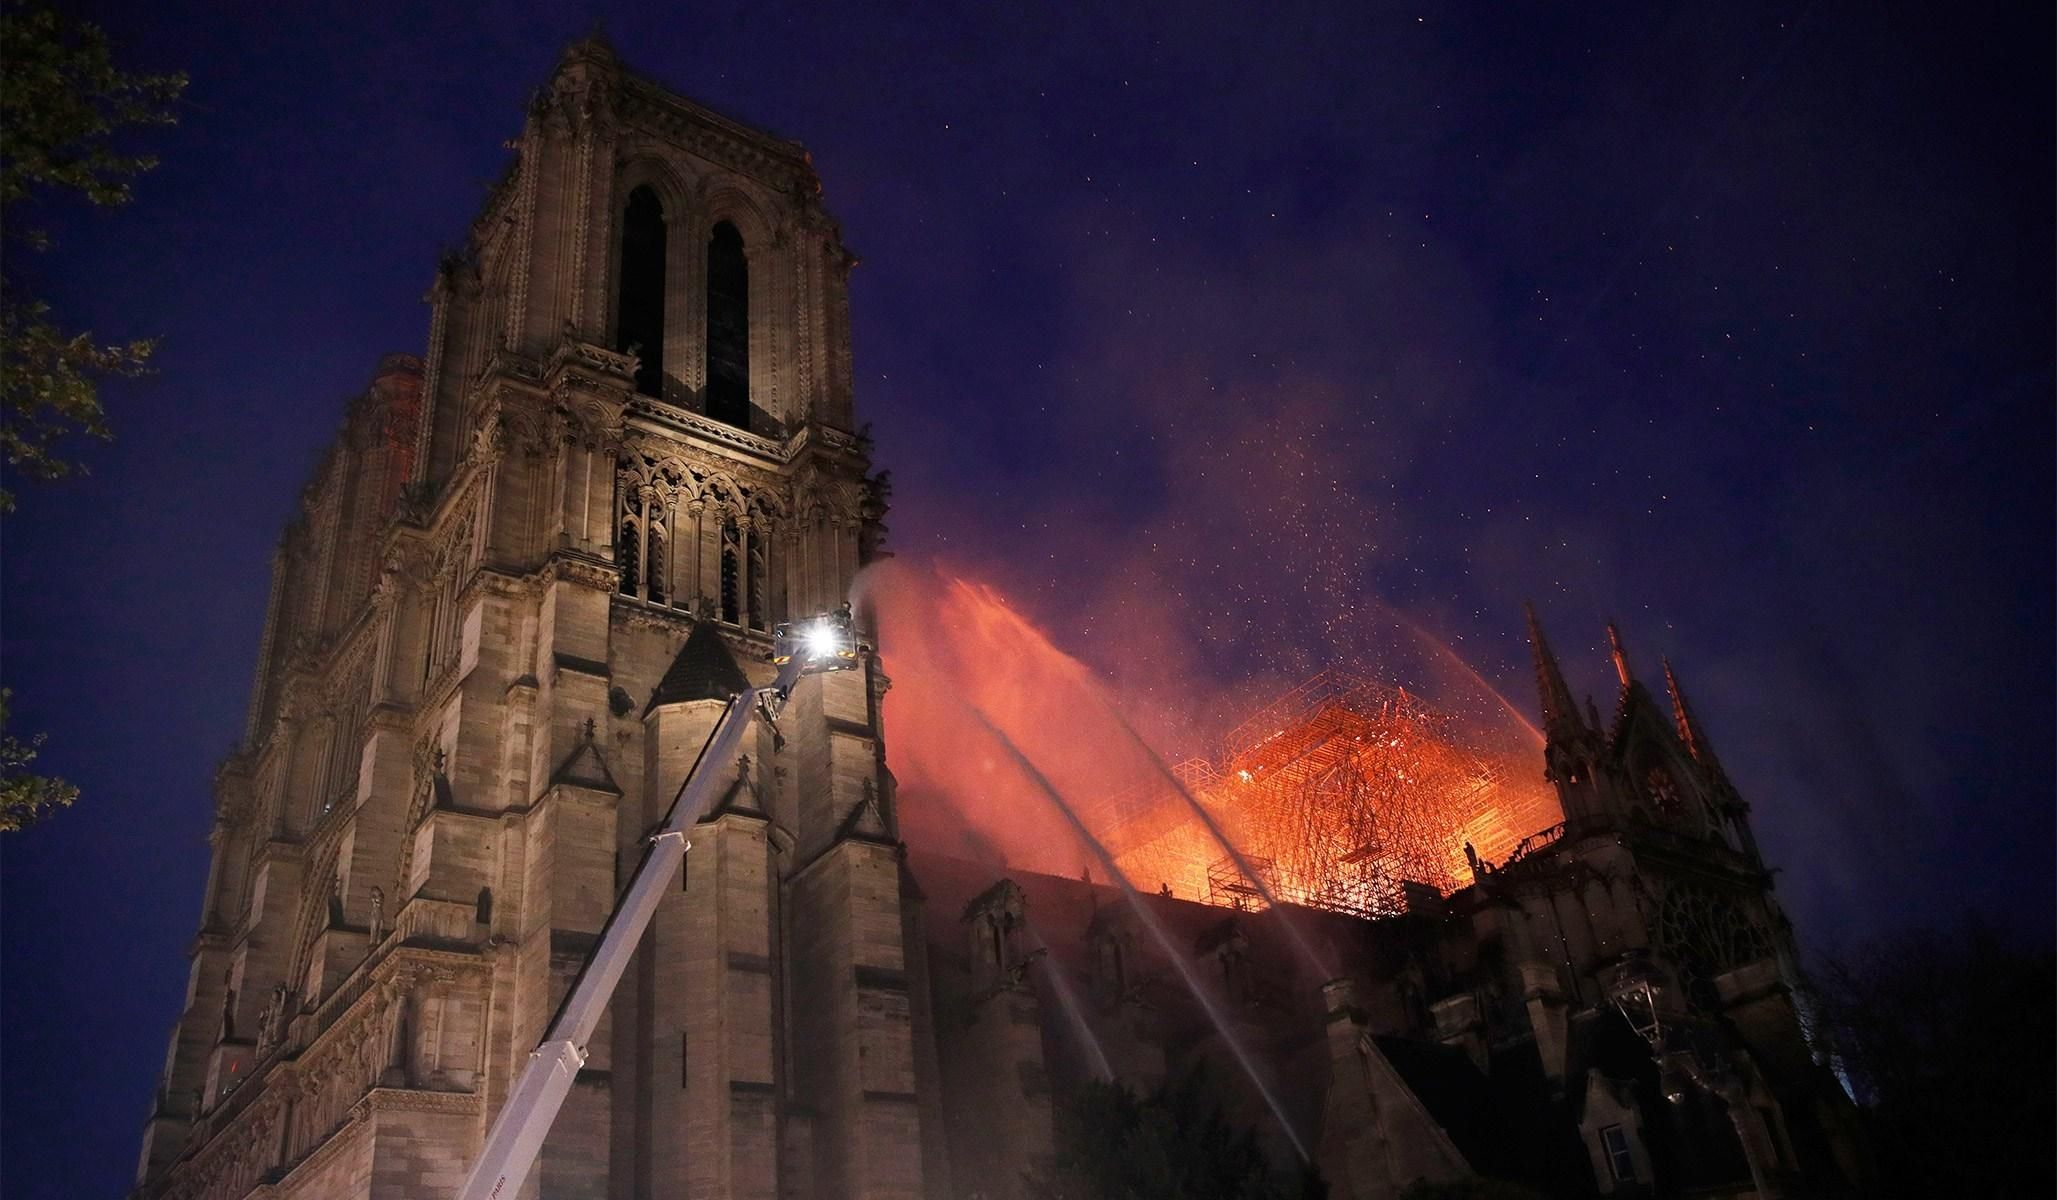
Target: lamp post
1642, 994
1686, 1057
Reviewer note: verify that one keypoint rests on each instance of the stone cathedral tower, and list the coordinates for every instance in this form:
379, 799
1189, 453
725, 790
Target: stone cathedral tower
518, 589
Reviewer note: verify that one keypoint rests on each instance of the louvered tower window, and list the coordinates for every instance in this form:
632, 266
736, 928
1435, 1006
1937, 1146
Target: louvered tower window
639, 311
731, 574
628, 552
728, 328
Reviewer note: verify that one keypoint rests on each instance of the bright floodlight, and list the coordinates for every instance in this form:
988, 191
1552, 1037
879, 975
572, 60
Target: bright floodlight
826, 642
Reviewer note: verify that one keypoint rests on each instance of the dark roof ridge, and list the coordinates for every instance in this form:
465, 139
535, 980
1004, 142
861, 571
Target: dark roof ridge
704, 669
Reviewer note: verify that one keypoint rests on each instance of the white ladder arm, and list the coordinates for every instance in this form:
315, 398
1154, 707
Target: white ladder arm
518, 1130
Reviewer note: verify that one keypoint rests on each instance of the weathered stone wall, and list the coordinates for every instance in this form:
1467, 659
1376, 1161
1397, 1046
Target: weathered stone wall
447, 750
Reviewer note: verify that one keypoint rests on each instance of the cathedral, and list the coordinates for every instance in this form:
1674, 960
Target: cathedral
519, 590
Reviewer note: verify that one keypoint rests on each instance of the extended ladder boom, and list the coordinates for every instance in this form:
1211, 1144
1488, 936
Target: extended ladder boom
517, 1133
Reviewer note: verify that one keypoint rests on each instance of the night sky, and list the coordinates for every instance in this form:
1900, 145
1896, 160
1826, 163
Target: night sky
1259, 323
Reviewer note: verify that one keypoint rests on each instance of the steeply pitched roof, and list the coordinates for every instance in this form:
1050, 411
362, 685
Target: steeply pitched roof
703, 670
586, 767
1506, 1122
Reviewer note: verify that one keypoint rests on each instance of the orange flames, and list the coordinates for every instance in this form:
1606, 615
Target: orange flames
1339, 794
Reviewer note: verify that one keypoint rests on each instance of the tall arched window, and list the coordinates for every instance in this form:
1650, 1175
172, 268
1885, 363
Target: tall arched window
639, 310
760, 578
1113, 968
653, 560
728, 328
628, 554
731, 572
640, 544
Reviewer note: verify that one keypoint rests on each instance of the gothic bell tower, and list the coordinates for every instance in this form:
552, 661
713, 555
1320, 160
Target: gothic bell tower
656, 303
519, 593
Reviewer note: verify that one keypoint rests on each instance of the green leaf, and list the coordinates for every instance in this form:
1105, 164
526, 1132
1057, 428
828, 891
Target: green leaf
25, 797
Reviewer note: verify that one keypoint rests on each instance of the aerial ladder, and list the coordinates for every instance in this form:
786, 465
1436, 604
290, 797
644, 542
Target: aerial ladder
824, 643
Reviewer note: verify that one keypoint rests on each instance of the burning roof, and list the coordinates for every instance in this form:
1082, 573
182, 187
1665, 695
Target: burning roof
1343, 794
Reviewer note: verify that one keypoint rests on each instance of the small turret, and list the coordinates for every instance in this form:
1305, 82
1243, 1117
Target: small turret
1573, 746
1689, 729
1560, 711
1730, 803
1620, 654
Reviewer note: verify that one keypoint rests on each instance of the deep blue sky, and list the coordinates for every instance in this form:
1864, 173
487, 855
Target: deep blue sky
1732, 321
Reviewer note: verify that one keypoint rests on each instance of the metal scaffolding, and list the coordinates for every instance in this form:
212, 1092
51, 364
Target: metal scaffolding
1339, 795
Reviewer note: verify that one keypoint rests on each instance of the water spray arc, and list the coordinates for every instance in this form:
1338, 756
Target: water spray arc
1151, 924
1067, 999
1443, 651
1322, 970
1344, 794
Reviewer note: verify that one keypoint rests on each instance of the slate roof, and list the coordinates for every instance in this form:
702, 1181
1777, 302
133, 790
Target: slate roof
1505, 1123
703, 670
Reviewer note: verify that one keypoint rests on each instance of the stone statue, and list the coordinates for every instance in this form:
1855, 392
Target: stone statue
378, 915
271, 1026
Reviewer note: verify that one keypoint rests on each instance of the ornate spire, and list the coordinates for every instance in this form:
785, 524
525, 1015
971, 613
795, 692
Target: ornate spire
593, 45
1689, 730
1620, 656
1560, 711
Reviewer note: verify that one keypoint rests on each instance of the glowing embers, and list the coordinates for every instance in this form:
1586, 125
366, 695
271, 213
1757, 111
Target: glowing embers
1339, 795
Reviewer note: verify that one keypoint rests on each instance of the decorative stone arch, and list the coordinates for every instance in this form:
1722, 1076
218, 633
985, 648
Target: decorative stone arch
668, 475
347, 708
815, 539
524, 432
721, 493
647, 166
724, 198
450, 559
652, 501
740, 521
664, 457
311, 919
809, 505
674, 189
767, 508
845, 503
432, 793
583, 421
269, 788
992, 921
496, 267
1703, 930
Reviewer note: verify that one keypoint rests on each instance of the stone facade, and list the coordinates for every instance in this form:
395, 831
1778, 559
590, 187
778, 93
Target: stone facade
518, 590
455, 745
